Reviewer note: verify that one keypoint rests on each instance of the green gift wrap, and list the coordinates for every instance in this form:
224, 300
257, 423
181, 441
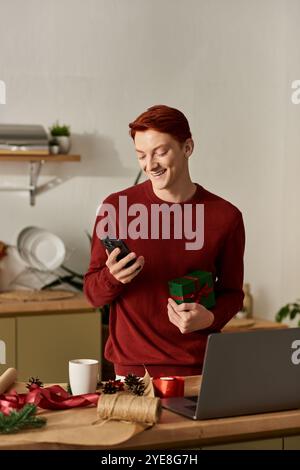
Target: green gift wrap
196, 286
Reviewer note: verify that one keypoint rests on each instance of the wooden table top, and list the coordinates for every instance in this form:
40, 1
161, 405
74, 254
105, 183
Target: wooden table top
172, 431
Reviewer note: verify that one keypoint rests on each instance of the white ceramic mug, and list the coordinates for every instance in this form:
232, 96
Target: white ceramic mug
83, 375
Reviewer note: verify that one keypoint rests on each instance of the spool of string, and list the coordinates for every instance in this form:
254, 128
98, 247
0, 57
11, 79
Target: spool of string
127, 407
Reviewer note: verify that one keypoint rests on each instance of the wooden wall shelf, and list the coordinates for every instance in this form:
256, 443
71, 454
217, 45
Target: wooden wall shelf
35, 164
38, 158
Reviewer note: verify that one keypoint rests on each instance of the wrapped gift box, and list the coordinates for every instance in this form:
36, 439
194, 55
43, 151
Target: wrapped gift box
196, 286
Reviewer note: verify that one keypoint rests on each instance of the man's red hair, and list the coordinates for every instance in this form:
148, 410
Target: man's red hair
162, 118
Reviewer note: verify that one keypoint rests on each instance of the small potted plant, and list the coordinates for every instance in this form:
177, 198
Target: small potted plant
54, 146
61, 134
289, 310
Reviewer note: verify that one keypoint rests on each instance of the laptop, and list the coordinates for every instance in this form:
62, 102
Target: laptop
245, 373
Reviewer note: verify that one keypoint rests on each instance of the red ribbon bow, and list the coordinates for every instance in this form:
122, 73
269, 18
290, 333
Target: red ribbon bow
196, 296
48, 398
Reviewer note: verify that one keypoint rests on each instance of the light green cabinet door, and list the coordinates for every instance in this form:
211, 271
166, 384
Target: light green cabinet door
7, 344
292, 443
47, 342
262, 444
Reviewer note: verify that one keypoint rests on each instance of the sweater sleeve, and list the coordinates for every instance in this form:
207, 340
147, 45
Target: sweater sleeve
100, 286
230, 276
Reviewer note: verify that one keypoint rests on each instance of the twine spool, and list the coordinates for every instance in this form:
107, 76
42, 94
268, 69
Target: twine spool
127, 407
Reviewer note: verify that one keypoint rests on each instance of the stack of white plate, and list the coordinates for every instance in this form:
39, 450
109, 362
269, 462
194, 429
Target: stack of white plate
41, 249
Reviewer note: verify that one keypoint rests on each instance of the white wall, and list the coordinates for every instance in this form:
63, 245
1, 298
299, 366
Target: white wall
96, 64
289, 221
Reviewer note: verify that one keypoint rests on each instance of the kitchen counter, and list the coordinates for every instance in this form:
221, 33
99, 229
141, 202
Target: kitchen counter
251, 324
77, 303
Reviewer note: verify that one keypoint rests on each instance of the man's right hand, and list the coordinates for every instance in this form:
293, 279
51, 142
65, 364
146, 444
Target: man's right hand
117, 268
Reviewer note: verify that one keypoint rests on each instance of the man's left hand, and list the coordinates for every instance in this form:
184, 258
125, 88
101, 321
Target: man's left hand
189, 317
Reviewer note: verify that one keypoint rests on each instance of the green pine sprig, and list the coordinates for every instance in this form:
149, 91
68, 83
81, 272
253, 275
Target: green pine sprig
22, 419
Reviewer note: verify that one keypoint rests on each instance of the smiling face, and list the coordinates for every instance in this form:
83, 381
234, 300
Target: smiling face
163, 159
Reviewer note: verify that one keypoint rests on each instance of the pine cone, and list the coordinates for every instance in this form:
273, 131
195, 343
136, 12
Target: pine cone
112, 386
139, 388
34, 382
131, 380
134, 384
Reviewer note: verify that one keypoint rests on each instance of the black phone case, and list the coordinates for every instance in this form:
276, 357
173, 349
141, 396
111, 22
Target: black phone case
112, 243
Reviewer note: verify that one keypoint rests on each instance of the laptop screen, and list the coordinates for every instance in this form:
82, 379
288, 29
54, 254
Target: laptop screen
250, 372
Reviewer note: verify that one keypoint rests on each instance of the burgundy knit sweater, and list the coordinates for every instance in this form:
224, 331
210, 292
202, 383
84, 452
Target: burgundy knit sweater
140, 330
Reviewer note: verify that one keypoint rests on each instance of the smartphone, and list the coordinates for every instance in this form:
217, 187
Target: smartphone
112, 243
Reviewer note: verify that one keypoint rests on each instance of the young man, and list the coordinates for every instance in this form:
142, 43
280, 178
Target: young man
147, 327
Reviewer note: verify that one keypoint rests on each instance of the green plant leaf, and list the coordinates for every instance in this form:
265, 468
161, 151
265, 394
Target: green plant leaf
293, 313
282, 313
57, 130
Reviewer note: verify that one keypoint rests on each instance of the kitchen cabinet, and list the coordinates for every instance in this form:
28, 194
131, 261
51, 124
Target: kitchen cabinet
261, 444
41, 337
47, 342
292, 442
